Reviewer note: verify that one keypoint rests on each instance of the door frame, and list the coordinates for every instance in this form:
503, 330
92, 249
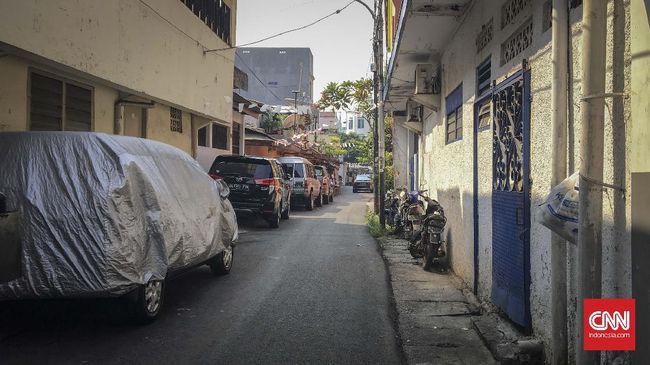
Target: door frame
524, 74
475, 132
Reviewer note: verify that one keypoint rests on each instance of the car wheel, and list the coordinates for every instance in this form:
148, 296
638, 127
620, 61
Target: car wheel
309, 205
148, 301
274, 220
285, 214
222, 263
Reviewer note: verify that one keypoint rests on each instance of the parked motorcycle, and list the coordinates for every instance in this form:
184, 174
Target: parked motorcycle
413, 214
428, 242
401, 204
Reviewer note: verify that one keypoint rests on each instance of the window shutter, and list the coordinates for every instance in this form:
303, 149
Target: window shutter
46, 103
78, 109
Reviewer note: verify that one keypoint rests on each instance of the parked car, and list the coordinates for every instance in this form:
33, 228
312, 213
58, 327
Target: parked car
362, 183
258, 186
105, 216
326, 187
305, 185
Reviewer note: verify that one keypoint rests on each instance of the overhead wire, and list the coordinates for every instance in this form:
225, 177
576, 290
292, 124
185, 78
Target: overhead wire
338, 11
179, 29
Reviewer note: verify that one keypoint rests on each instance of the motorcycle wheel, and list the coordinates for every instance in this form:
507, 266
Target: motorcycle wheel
414, 248
427, 260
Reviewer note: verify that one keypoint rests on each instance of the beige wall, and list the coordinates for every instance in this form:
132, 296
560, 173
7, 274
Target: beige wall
158, 128
104, 109
126, 43
13, 94
640, 135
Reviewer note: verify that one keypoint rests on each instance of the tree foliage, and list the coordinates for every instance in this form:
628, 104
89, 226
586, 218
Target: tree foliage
357, 95
336, 96
271, 122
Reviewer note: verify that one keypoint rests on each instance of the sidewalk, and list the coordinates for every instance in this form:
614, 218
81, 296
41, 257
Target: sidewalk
434, 316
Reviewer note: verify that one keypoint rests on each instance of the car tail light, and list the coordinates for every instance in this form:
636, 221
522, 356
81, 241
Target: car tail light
267, 182
216, 176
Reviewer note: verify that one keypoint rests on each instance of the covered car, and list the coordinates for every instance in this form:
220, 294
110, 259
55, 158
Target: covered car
103, 215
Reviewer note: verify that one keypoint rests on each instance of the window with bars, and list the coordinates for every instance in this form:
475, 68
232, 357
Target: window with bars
483, 76
236, 130
57, 105
454, 124
176, 120
215, 14
219, 136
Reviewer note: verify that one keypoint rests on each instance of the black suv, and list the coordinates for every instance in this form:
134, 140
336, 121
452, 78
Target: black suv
258, 186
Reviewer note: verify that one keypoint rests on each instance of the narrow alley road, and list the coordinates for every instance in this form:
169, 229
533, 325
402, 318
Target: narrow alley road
313, 291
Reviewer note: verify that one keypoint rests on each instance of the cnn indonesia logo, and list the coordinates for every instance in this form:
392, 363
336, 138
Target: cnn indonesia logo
609, 324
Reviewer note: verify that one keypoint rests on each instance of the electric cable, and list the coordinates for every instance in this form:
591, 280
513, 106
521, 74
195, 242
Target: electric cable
338, 11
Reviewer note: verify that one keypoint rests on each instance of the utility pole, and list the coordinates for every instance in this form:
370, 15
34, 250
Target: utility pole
378, 98
379, 37
590, 240
560, 27
295, 108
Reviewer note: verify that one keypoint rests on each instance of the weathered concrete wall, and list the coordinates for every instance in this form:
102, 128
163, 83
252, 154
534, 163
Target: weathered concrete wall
400, 161
126, 43
13, 94
104, 109
640, 44
640, 169
158, 128
448, 167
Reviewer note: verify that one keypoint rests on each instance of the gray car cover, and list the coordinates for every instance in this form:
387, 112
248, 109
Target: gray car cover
100, 214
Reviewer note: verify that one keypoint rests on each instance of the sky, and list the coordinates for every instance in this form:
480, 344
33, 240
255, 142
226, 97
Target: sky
341, 44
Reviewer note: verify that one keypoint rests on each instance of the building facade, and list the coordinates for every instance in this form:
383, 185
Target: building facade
472, 103
327, 120
134, 68
352, 122
275, 73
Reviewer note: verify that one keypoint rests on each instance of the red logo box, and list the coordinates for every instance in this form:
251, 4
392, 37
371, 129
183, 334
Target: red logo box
608, 324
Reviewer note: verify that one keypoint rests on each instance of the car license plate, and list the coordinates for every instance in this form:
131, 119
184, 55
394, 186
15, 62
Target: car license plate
238, 187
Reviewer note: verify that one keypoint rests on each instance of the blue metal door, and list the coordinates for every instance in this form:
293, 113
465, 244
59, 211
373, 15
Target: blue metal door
511, 198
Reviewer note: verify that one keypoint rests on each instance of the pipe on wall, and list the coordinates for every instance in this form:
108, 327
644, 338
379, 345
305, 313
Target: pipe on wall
560, 31
594, 28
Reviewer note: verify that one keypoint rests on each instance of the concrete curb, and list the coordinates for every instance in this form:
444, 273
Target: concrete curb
434, 314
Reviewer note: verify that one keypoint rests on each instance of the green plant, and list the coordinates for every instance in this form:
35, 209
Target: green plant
373, 225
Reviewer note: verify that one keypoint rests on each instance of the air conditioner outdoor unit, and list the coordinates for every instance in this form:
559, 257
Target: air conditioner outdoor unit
414, 112
423, 79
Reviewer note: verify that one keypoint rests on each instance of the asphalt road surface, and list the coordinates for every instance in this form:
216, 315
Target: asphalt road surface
313, 291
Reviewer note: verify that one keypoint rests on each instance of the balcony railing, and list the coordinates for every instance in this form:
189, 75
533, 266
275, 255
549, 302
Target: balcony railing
215, 14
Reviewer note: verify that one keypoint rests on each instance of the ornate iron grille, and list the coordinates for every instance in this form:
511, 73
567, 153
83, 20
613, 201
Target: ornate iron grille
511, 9
517, 43
175, 120
484, 37
508, 138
